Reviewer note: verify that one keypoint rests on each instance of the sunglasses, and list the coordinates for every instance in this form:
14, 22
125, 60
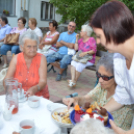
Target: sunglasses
106, 78
72, 26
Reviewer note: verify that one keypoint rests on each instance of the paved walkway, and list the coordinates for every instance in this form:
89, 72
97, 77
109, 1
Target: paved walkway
58, 90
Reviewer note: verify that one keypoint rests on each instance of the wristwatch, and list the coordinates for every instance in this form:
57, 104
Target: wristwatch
38, 87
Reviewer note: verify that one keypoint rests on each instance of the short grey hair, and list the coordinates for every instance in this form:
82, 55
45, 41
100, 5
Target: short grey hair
106, 61
87, 28
28, 35
89, 127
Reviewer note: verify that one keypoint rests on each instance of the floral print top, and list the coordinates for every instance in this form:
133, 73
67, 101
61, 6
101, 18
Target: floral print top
122, 117
15, 30
88, 46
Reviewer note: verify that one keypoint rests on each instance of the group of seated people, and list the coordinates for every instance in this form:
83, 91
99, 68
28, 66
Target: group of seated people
115, 71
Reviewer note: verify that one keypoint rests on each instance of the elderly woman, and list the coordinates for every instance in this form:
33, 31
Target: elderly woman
15, 47
50, 38
115, 31
89, 127
104, 91
33, 27
30, 67
87, 45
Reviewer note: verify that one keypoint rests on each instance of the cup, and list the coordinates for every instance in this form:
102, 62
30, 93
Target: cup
7, 116
27, 127
33, 101
20, 91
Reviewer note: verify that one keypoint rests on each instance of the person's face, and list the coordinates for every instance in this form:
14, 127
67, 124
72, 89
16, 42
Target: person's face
83, 33
20, 24
30, 24
105, 84
30, 48
51, 28
101, 39
2, 22
71, 27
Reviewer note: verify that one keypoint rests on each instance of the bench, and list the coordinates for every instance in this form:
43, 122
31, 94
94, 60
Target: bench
99, 54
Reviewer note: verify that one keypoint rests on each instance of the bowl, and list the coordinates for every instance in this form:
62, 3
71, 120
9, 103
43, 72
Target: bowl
74, 123
59, 123
33, 101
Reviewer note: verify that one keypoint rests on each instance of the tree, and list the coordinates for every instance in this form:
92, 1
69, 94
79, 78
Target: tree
80, 11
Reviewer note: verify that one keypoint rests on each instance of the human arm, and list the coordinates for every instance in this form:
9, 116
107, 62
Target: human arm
69, 45
113, 105
11, 68
85, 53
76, 42
15, 133
43, 78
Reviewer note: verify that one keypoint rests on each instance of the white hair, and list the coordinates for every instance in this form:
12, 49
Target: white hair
28, 35
106, 61
87, 28
91, 126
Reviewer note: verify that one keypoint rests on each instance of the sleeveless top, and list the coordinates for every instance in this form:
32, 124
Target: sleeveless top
30, 77
49, 38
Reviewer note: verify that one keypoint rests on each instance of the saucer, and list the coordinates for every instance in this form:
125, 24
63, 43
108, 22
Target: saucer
22, 100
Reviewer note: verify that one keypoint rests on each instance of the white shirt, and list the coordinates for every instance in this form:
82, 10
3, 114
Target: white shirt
124, 93
37, 31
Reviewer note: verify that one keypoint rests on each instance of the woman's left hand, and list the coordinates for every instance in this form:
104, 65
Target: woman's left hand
31, 91
117, 129
82, 54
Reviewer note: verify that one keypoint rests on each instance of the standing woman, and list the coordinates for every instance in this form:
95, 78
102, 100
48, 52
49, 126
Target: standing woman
15, 47
87, 45
113, 24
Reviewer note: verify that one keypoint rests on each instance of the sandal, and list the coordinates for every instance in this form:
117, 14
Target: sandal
71, 84
68, 81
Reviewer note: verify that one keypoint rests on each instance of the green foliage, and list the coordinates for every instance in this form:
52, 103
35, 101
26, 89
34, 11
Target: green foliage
80, 11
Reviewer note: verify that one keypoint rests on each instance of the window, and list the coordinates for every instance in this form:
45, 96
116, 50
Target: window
8, 5
47, 11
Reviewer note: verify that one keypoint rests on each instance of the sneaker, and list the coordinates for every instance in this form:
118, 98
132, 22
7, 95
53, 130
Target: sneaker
5, 65
72, 84
58, 78
64, 74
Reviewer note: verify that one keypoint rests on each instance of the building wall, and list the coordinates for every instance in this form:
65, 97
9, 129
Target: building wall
34, 11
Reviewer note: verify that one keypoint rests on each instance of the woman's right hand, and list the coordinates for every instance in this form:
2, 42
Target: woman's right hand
68, 101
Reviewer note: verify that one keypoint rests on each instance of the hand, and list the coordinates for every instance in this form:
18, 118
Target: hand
68, 101
41, 46
31, 91
82, 54
77, 36
15, 133
117, 129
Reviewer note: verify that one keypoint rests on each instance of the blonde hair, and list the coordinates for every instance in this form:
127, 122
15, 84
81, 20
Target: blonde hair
33, 21
87, 28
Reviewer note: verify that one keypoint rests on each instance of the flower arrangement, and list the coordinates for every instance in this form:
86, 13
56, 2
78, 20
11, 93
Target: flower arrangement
6, 12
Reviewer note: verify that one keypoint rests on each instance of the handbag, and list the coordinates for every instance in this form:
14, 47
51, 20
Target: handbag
83, 59
46, 48
12, 38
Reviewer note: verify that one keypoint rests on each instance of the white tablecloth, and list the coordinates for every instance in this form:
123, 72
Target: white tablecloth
41, 116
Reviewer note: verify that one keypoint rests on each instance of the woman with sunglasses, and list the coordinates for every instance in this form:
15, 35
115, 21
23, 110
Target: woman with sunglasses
104, 91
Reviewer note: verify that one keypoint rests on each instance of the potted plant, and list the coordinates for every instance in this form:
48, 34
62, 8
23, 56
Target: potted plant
6, 12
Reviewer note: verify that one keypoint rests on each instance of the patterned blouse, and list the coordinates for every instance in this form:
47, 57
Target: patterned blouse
88, 46
15, 30
122, 117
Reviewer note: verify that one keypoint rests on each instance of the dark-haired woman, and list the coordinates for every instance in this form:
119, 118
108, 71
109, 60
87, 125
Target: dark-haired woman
113, 24
50, 38
15, 47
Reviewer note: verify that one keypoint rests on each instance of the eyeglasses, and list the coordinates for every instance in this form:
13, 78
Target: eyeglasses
19, 22
106, 78
72, 26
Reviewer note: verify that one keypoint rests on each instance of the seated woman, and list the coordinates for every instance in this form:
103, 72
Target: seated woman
30, 67
50, 38
104, 91
13, 48
87, 45
33, 27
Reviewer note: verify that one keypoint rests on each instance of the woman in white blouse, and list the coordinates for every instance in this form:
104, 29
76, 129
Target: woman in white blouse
113, 25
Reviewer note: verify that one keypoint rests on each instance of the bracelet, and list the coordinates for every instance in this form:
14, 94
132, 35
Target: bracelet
38, 87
